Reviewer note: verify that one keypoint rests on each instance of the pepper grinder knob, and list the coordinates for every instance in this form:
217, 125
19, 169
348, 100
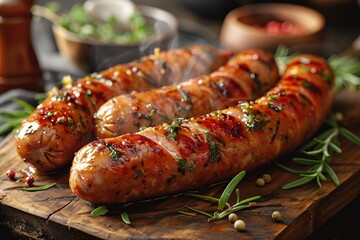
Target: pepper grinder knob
19, 67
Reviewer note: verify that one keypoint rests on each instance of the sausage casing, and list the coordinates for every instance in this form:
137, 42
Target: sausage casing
246, 76
63, 123
185, 155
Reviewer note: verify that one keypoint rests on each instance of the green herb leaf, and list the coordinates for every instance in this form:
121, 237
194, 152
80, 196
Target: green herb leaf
237, 191
349, 135
247, 200
187, 213
199, 211
347, 71
28, 108
38, 188
203, 197
290, 170
297, 183
282, 57
335, 147
332, 174
229, 189
12, 118
306, 161
6, 128
140, 172
231, 210
125, 218
99, 211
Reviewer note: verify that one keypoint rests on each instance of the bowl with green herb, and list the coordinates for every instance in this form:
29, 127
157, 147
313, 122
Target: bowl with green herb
93, 37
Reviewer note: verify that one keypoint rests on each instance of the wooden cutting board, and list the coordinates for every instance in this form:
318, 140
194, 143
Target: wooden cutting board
59, 214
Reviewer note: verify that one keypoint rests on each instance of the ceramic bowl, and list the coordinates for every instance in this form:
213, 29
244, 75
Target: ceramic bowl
91, 55
266, 25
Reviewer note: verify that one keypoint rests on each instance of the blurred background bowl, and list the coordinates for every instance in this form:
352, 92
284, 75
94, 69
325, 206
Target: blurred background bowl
92, 55
266, 25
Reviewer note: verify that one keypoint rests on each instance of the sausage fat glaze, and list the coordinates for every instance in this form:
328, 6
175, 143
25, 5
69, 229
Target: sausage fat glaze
63, 123
187, 154
246, 76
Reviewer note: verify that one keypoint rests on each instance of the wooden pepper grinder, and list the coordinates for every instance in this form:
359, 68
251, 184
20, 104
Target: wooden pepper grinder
19, 67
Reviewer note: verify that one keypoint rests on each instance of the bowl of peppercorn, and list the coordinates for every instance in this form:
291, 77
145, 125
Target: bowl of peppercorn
267, 25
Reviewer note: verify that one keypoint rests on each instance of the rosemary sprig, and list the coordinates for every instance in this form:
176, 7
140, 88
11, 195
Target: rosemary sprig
346, 70
11, 119
320, 150
318, 155
223, 201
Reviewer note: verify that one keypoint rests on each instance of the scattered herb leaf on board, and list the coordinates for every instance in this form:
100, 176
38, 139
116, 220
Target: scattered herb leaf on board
38, 188
99, 211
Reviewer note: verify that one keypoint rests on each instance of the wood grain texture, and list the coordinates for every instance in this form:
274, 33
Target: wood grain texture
60, 214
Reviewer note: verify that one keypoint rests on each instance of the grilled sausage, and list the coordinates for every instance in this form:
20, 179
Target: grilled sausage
246, 76
63, 123
187, 154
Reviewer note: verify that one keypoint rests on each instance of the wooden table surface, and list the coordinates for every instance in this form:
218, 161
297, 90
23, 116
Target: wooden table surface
58, 214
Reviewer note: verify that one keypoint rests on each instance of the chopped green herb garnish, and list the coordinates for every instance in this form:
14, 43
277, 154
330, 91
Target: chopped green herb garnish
114, 154
174, 128
216, 137
272, 98
254, 120
140, 172
214, 150
49, 114
71, 122
184, 166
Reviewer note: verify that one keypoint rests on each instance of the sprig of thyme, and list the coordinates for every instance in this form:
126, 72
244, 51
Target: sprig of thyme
223, 201
318, 154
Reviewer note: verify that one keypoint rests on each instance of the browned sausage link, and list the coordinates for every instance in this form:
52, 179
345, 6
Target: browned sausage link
186, 155
64, 122
247, 75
